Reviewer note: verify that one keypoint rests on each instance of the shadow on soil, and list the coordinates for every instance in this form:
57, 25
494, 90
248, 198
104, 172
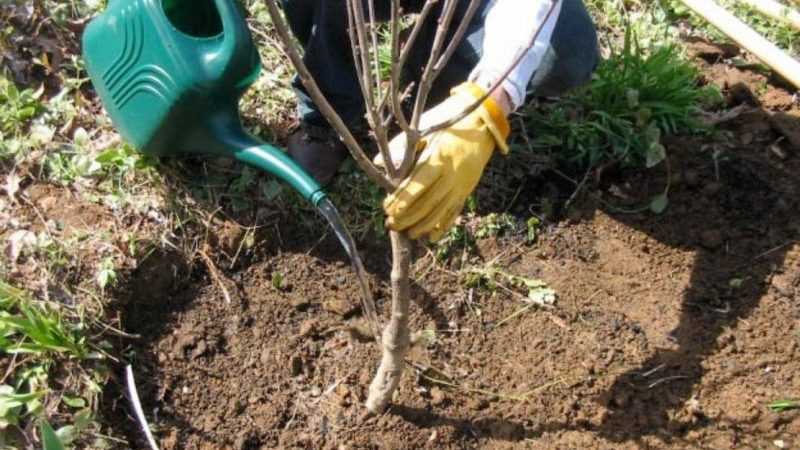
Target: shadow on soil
739, 215
738, 210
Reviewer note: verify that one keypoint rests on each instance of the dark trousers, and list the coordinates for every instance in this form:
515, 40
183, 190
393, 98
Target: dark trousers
321, 27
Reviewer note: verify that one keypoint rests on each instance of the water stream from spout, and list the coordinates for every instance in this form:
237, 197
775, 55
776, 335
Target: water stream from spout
327, 209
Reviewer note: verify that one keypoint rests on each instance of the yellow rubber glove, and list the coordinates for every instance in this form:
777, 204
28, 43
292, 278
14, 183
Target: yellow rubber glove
450, 166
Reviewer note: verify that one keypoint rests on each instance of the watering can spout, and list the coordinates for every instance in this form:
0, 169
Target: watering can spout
229, 135
274, 161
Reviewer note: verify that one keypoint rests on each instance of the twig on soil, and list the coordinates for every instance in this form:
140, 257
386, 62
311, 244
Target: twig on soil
775, 249
659, 381
516, 313
653, 370
137, 407
215, 275
500, 395
579, 188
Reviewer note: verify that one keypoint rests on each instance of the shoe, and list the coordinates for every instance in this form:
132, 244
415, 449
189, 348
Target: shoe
318, 151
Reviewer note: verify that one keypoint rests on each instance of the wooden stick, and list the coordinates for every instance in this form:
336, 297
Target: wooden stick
742, 34
775, 10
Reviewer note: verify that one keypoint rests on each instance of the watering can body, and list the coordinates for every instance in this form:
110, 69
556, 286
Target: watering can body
170, 73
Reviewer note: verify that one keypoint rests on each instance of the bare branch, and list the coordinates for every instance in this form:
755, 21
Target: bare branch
412, 37
360, 47
322, 103
373, 32
457, 37
394, 83
520, 54
425, 85
426, 81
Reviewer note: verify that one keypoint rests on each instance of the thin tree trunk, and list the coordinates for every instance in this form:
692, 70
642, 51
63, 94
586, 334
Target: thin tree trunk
396, 338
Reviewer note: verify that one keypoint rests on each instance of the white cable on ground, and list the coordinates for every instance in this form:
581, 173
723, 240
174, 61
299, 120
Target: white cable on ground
775, 10
137, 407
742, 34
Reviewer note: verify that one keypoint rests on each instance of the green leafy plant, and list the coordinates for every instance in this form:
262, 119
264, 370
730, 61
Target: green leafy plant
14, 405
39, 329
18, 107
637, 95
50, 440
494, 225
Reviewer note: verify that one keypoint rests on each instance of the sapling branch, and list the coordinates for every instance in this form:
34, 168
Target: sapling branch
496, 83
322, 103
436, 63
361, 60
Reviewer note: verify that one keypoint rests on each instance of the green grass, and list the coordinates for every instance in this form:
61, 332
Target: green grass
40, 339
637, 95
785, 404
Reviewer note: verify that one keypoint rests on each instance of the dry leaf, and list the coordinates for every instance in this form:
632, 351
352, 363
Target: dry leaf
17, 242
12, 186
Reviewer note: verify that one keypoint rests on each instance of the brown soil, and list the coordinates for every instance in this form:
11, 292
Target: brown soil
670, 331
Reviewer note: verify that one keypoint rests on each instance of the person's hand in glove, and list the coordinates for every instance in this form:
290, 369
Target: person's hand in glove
450, 166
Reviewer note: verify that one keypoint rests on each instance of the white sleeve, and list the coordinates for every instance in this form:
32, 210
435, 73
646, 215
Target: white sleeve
509, 26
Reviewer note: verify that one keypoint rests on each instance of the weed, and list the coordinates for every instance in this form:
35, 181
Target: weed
636, 95
492, 278
50, 440
17, 107
39, 329
533, 224
785, 404
494, 225
456, 238
15, 405
277, 280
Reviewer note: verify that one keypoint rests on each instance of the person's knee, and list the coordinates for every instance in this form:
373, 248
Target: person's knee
585, 62
573, 54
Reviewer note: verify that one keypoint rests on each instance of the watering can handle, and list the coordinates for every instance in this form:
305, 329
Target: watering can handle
237, 42
274, 161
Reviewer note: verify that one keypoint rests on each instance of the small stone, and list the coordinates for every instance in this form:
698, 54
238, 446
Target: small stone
343, 392
340, 306
477, 404
201, 348
437, 397
309, 329
300, 303
264, 357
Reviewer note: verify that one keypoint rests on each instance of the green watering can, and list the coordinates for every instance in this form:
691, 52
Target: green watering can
170, 74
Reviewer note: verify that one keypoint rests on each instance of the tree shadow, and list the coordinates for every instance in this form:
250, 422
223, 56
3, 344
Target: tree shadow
738, 211
734, 202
